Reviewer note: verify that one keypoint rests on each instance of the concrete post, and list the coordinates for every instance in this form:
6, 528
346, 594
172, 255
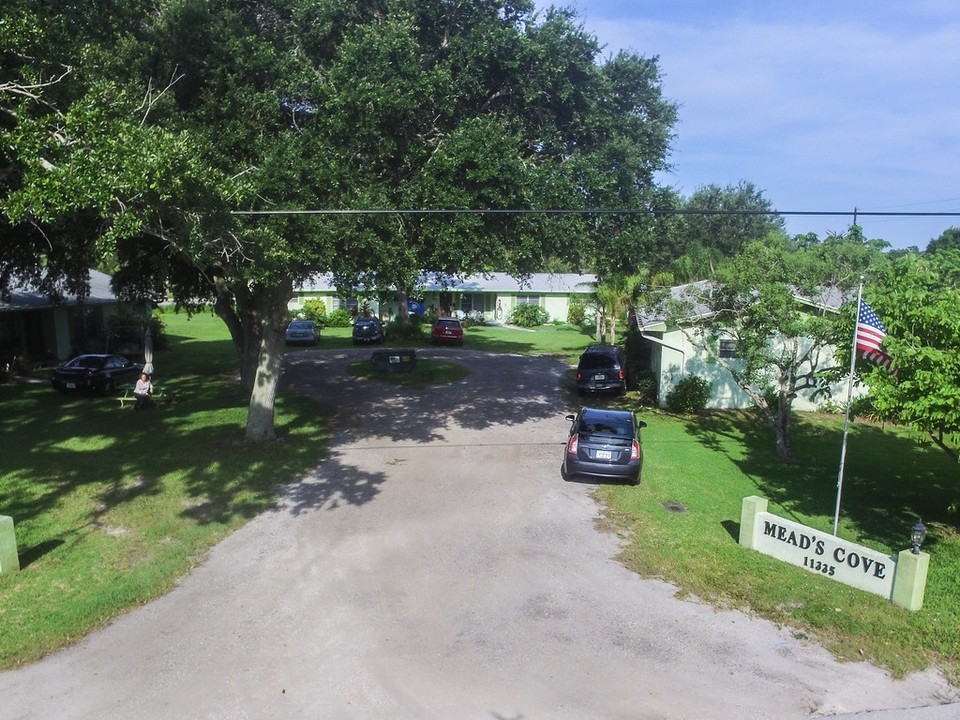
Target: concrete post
910, 579
9, 560
751, 507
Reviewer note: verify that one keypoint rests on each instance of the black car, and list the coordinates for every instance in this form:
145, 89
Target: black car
367, 330
301, 332
602, 368
604, 443
95, 373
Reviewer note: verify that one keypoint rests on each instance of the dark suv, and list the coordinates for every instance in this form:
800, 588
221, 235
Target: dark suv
367, 330
602, 368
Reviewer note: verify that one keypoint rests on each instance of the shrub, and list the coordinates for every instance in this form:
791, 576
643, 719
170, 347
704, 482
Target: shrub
528, 316
474, 318
315, 310
339, 318
577, 310
689, 396
646, 387
396, 330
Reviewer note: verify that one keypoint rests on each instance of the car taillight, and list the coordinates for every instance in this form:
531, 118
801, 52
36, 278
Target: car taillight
572, 445
635, 451
579, 375
621, 374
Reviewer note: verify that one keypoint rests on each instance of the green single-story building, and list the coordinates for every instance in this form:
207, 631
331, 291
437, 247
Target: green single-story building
492, 295
668, 354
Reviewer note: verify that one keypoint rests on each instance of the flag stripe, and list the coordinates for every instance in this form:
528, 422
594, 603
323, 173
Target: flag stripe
869, 337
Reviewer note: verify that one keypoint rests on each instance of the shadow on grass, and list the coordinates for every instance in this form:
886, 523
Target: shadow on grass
889, 481
56, 445
30, 555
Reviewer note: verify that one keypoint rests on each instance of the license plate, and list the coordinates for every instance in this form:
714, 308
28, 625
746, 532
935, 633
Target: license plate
394, 359
604, 455
72, 386
599, 377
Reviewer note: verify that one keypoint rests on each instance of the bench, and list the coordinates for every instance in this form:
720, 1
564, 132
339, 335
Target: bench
160, 392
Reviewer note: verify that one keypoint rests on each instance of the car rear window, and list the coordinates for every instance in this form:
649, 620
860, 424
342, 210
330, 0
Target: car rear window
609, 428
595, 361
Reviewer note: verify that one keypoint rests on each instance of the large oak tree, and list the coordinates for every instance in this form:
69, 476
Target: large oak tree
174, 136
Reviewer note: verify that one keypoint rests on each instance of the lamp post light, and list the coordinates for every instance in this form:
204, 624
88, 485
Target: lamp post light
917, 535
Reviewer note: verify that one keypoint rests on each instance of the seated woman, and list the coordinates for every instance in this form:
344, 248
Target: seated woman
142, 391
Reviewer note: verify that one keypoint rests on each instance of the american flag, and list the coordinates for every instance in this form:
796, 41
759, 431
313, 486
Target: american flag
870, 335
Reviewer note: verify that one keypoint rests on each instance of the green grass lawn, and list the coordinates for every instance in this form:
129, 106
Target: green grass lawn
564, 341
111, 506
710, 464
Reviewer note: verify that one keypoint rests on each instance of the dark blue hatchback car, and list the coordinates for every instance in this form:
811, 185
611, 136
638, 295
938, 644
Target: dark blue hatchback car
604, 444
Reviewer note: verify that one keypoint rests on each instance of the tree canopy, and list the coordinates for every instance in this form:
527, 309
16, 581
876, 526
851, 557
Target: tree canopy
777, 301
136, 137
917, 297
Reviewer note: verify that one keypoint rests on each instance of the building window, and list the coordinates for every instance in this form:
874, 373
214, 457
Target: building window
471, 302
728, 349
350, 304
528, 299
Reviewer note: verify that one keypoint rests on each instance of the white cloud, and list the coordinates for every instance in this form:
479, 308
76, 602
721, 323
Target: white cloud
825, 114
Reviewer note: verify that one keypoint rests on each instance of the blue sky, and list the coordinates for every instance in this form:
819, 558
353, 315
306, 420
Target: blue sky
824, 106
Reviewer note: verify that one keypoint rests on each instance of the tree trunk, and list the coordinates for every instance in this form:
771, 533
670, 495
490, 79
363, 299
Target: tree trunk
237, 307
781, 430
269, 306
403, 310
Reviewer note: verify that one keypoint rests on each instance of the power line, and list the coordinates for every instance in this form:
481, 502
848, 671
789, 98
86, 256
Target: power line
590, 211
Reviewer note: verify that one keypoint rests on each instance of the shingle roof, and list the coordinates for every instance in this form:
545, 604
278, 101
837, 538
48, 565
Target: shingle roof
26, 297
829, 297
541, 283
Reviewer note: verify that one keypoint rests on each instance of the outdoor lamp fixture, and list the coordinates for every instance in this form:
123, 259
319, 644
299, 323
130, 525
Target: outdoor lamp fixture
917, 536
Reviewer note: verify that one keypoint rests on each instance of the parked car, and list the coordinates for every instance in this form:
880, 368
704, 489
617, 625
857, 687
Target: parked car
95, 373
447, 330
604, 443
367, 330
302, 332
602, 368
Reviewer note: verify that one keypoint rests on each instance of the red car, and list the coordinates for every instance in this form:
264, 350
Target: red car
447, 330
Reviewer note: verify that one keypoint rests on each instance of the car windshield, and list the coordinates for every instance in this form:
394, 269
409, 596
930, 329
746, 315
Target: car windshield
452, 322
302, 325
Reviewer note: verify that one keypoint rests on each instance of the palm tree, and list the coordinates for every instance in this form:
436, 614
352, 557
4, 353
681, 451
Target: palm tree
612, 298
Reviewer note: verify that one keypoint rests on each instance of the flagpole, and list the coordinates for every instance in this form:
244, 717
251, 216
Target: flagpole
846, 420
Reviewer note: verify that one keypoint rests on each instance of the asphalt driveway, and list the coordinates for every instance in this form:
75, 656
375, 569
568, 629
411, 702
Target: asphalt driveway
436, 566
